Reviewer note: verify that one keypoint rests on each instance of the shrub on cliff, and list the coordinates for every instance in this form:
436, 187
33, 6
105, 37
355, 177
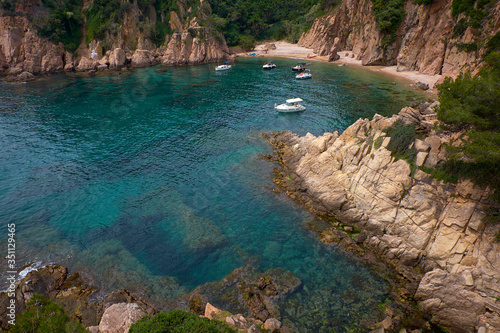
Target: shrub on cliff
402, 136
43, 316
178, 321
63, 23
471, 104
388, 15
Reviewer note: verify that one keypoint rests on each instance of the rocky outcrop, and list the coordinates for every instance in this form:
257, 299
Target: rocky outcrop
119, 317
427, 40
415, 222
194, 45
23, 77
246, 292
116, 58
21, 49
120, 308
142, 58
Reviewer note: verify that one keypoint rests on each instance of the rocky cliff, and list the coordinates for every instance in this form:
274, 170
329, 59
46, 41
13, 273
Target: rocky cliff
189, 42
429, 39
432, 232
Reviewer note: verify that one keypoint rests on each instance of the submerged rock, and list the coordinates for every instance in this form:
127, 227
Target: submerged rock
245, 292
23, 77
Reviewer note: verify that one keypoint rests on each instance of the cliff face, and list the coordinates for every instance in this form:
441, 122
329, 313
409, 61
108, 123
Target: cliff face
22, 49
428, 39
413, 221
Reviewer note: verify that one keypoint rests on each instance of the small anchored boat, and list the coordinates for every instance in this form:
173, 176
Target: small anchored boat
269, 65
223, 67
306, 74
299, 67
291, 105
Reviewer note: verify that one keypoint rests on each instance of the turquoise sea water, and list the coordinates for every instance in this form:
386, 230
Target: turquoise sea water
153, 180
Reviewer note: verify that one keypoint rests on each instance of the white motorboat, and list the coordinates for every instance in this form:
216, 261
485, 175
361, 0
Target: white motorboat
299, 67
223, 67
269, 65
291, 105
306, 74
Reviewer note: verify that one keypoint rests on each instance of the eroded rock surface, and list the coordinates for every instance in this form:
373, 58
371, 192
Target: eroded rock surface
426, 41
22, 49
412, 220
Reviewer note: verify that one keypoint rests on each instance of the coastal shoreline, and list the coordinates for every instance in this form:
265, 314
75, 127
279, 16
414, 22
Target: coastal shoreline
347, 58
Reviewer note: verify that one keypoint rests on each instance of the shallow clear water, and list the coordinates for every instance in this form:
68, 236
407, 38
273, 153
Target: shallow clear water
153, 181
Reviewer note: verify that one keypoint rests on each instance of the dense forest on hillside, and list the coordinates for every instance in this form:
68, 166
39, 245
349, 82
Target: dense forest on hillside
241, 21
261, 19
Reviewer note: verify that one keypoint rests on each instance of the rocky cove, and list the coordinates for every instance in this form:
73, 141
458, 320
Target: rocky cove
22, 50
431, 232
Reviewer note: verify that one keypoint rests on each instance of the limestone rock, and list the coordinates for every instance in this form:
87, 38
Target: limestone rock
422, 85
211, 311
119, 317
142, 58
117, 58
417, 46
20, 46
194, 45
23, 77
421, 157
86, 64
272, 325
93, 329
68, 60
409, 220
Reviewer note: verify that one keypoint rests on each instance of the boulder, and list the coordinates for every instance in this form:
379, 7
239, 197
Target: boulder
86, 64
117, 58
422, 85
119, 317
23, 77
211, 311
53, 61
142, 58
272, 325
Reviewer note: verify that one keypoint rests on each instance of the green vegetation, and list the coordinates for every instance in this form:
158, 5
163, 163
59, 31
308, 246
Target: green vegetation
378, 143
261, 19
103, 16
43, 316
493, 45
423, 2
475, 10
63, 22
178, 321
402, 136
388, 15
467, 47
471, 104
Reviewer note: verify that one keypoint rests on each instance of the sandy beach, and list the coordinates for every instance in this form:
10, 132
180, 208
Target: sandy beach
288, 50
